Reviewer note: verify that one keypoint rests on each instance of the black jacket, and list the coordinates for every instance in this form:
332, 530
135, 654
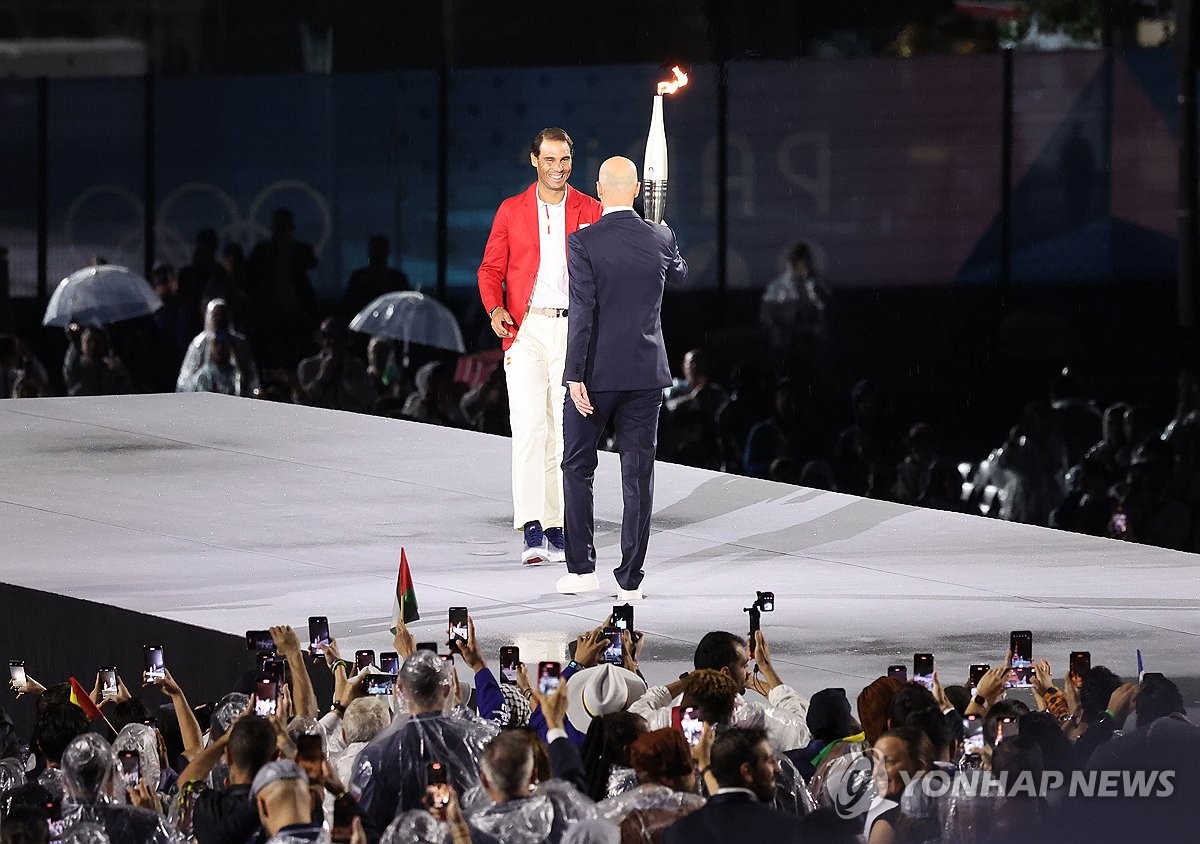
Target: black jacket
735, 816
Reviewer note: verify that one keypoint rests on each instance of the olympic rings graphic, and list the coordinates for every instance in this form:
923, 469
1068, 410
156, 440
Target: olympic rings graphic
175, 237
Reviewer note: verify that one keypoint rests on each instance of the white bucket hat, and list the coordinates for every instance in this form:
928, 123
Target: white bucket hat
601, 690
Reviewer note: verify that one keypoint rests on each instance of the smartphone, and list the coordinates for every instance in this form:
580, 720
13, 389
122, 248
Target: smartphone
130, 766
16, 672
458, 627
363, 659
275, 668
344, 810
318, 635
437, 790
548, 677
923, 670
1007, 728
266, 696
510, 663
615, 652
259, 640
389, 662
381, 684
622, 616
427, 646
1081, 662
691, 725
309, 747
152, 658
108, 681
978, 669
972, 735
1021, 644
900, 672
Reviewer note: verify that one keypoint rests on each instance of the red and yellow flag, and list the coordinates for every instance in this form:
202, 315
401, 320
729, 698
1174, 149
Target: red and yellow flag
84, 701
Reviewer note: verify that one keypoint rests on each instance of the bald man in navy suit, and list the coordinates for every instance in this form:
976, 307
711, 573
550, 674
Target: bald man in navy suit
616, 368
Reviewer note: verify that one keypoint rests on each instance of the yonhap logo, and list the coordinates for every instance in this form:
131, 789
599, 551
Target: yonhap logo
851, 783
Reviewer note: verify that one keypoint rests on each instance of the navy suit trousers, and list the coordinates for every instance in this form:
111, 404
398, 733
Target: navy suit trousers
635, 417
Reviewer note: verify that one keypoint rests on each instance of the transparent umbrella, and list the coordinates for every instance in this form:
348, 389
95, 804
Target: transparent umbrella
412, 318
101, 295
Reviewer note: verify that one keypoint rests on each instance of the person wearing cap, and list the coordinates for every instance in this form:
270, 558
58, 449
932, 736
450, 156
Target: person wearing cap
280, 792
392, 772
333, 378
524, 286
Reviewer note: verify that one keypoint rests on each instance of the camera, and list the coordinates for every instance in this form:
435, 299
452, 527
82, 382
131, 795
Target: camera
763, 602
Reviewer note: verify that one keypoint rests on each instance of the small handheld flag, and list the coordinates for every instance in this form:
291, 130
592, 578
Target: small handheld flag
405, 606
84, 701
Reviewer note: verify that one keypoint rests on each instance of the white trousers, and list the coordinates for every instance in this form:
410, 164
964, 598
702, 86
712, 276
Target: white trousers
533, 368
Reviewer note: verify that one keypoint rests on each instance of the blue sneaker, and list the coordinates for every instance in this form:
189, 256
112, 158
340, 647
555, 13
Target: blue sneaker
535, 545
556, 545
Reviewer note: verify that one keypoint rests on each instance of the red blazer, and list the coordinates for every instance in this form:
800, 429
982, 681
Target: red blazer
514, 250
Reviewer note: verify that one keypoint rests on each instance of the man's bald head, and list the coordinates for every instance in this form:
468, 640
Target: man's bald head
618, 184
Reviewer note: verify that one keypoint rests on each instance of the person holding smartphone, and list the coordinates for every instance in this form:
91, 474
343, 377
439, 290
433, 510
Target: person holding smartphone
391, 774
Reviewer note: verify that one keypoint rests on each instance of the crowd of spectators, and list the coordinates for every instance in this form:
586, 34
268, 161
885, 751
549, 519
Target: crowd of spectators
610, 755
252, 327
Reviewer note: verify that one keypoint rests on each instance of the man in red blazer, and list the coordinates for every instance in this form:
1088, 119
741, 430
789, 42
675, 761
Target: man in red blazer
524, 288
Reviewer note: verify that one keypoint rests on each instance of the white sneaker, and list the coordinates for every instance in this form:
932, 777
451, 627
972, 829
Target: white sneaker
571, 584
629, 594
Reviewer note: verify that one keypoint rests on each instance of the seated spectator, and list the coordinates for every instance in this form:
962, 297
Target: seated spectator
1152, 513
388, 380
696, 407
749, 402
218, 322
1075, 418
281, 797
868, 441
667, 791
1087, 507
333, 378
19, 366
741, 779
220, 373
176, 319
485, 408
434, 401
393, 770
913, 471
943, 488
780, 435
93, 369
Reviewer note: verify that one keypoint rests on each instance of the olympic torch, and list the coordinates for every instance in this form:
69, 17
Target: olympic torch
654, 168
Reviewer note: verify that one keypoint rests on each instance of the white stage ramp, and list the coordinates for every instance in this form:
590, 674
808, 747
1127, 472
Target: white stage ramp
232, 514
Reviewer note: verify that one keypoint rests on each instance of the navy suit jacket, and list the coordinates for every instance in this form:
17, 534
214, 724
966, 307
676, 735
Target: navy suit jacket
735, 817
618, 267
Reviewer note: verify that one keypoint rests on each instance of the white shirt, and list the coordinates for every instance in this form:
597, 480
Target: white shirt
616, 208
550, 288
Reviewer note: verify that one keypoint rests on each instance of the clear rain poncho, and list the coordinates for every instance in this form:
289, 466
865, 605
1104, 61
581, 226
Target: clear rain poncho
95, 795
144, 740
12, 774
543, 816
228, 710
391, 773
654, 807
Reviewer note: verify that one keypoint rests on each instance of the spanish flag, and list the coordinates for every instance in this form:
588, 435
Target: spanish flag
405, 605
84, 701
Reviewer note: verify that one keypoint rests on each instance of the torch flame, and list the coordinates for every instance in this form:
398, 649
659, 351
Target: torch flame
670, 86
